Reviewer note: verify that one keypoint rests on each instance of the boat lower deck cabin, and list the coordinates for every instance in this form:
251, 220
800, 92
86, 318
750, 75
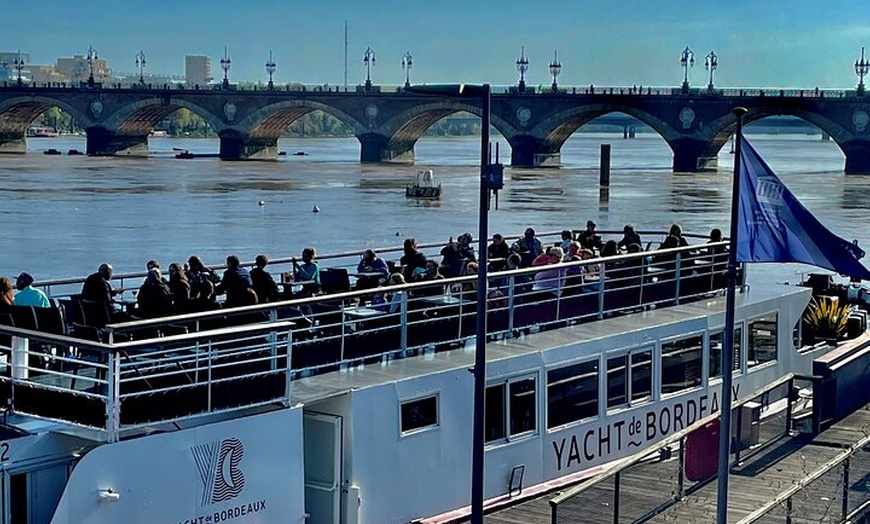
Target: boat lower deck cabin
340, 409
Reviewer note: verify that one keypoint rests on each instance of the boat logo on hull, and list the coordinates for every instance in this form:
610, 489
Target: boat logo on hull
218, 466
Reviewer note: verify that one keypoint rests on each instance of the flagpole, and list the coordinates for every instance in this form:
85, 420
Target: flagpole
728, 346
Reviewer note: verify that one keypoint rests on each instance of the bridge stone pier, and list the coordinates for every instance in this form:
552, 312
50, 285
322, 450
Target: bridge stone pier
388, 124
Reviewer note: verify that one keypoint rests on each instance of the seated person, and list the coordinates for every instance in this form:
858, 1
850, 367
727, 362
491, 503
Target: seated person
412, 259
154, 298
430, 273
307, 273
456, 254
98, 287
197, 274
629, 237
588, 238
567, 238
497, 253
178, 286
236, 284
370, 263
264, 285
27, 294
551, 279
528, 247
206, 300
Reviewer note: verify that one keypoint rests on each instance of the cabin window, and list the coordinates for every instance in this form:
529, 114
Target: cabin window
626, 382
681, 364
420, 413
762, 341
510, 409
572, 393
717, 342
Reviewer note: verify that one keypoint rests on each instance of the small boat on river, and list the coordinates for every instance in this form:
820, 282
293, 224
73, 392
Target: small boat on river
425, 185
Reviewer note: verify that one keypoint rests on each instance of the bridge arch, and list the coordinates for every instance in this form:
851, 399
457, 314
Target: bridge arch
16, 114
721, 129
272, 121
140, 117
557, 128
403, 130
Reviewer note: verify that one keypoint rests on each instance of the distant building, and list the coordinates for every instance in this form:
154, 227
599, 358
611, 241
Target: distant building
197, 70
46, 74
77, 69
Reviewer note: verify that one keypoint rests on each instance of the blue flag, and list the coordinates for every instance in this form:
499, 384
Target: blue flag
773, 226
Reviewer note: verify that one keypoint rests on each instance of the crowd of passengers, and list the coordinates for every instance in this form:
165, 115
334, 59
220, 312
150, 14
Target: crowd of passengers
194, 287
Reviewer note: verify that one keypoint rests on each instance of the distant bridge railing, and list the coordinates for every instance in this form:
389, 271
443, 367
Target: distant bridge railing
540, 90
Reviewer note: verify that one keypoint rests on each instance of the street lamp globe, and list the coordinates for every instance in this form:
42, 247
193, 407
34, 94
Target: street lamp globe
407, 64
270, 70
369, 61
711, 63
862, 66
19, 65
92, 58
687, 60
555, 69
140, 63
226, 63
522, 67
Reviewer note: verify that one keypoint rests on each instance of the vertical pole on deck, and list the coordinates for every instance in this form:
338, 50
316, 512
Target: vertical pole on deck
728, 350
477, 445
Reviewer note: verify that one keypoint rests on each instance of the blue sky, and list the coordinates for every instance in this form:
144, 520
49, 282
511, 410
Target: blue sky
770, 43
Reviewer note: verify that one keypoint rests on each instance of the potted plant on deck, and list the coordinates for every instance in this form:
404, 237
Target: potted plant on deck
825, 319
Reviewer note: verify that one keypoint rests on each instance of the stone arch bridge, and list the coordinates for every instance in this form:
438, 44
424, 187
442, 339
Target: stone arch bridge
249, 122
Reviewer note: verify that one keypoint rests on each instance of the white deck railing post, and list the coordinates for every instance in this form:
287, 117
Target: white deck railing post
113, 392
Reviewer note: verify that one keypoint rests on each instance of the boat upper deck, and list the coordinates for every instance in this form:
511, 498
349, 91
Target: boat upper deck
121, 379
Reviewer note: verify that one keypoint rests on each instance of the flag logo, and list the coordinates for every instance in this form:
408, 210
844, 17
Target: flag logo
218, 466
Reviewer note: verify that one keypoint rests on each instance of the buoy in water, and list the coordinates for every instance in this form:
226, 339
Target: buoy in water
315, 210
261, 203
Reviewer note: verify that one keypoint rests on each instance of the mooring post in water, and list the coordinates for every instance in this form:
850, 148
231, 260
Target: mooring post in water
604, 171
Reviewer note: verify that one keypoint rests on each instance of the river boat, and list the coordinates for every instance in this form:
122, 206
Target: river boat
342, 409
42, 132
425, 185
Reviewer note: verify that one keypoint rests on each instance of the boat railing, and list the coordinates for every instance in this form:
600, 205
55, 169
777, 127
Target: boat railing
686, 461
65, 287
146, 372
122, 388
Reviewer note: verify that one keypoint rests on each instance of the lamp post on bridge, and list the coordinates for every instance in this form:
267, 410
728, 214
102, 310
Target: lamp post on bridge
555, 69
861, 68
369, 61
711, 62
687, 60
522, 67
140, 63
270, 69
226, 63
92, 57
19, 65
407, 64
491, 179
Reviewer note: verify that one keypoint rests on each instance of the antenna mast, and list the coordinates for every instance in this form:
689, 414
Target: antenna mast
345, 56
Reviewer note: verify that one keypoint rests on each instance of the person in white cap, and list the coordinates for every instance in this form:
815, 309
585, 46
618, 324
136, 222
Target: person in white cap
27, 294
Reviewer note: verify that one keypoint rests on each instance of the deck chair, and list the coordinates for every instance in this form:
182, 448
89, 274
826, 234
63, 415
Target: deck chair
334, 280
